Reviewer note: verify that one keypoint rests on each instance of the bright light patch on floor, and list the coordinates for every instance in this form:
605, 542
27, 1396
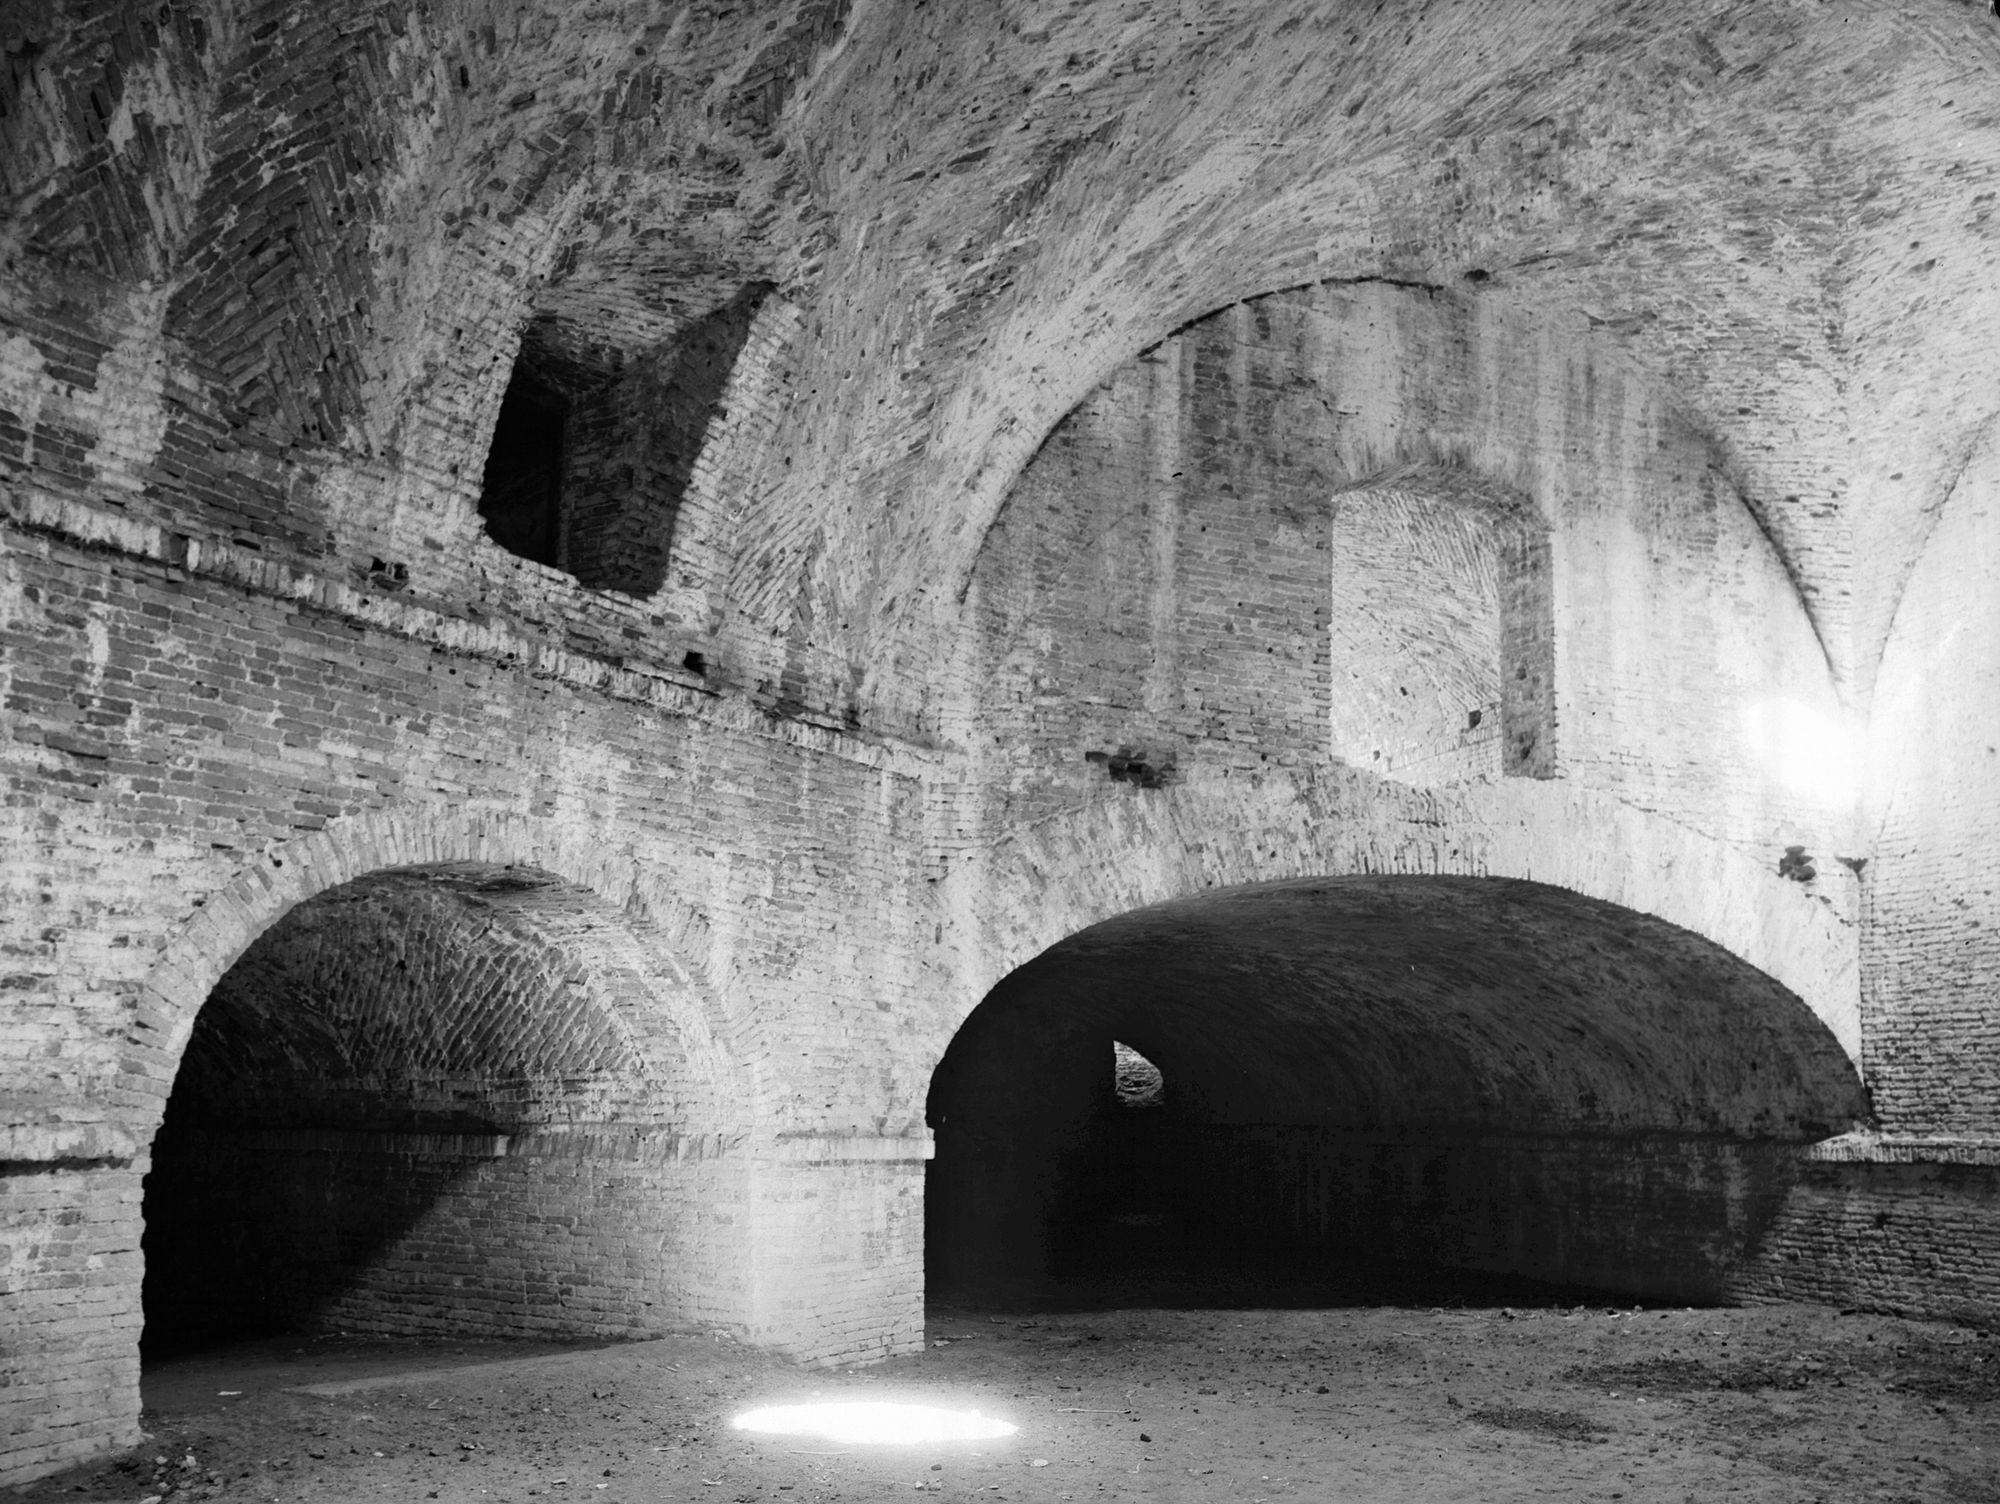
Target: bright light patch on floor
873, 1420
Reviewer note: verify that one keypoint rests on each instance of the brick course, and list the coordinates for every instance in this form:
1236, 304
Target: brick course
1027, 471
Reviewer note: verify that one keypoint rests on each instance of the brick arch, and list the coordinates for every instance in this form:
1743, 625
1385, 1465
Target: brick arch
1019, 897
1466, 434
665, 941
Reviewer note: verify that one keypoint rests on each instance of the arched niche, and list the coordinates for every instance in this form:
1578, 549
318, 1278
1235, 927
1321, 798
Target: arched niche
1442, 659
436, 1098
1476, 1072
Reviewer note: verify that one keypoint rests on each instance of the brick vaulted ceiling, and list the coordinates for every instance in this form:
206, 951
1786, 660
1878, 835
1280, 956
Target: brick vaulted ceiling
443, 999
1448, 1003
1783, 210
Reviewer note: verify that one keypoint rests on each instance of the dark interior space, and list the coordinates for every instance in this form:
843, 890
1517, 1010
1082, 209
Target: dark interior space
344, 1131
251, 1234
1284, 1091
521, 492
595, 444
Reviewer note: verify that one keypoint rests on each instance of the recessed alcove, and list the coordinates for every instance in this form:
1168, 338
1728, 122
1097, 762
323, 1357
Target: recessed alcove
1481, 1075
418, 1105
595, 443
520, 494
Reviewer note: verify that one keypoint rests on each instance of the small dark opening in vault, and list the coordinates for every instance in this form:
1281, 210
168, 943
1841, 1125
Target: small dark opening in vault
521, 494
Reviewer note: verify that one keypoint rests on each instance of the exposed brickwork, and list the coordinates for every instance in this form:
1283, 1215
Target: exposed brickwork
71, 1298
233, 836
1910, 1236
1687, 197
1116, 592
100, 136
288, 220
250, 1232
1117, 851
1318, 442
1443, 625
1019, 464
426, 1002
1932, 947
1679, 1218
678, 403
409, 1064
621, 448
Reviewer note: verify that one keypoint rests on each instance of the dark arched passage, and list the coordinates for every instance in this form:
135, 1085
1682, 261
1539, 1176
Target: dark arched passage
436, 1099
1473, 1072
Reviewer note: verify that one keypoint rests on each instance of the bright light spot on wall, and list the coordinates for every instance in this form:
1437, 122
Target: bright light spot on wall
1136, 1079
873, 1420
1809, 751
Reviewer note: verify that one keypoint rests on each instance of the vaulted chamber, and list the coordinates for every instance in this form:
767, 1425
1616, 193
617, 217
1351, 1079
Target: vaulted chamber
1467, 1073
429, 1100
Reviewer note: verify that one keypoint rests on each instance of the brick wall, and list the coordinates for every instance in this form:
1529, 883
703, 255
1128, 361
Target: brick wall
1932, 947
210, 741
1907, 1231
1150, 590
71, 1288
253, 1232
191, 713
1656, 1215
445, 1099
1566, 287
1695, 1219
1420, 534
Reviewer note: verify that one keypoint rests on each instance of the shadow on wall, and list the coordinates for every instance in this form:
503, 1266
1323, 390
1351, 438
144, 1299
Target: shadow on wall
1481, 1074
253, 1233
343, 1145
594, 447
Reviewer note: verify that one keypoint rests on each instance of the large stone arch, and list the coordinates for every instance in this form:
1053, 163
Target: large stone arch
1010, 902
672, 939
1511, 1026
397, 1032
1406, 531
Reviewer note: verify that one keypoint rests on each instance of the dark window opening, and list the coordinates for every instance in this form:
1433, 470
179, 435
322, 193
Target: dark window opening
521, 498
595, 445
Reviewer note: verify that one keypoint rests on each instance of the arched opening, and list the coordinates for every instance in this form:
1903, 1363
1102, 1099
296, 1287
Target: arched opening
597, 437
1470, 1073
427, 1100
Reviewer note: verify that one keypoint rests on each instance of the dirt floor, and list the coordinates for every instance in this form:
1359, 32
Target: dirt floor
1346, 1394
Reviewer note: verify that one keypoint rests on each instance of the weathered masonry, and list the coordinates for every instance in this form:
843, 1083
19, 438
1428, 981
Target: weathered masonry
646, 660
